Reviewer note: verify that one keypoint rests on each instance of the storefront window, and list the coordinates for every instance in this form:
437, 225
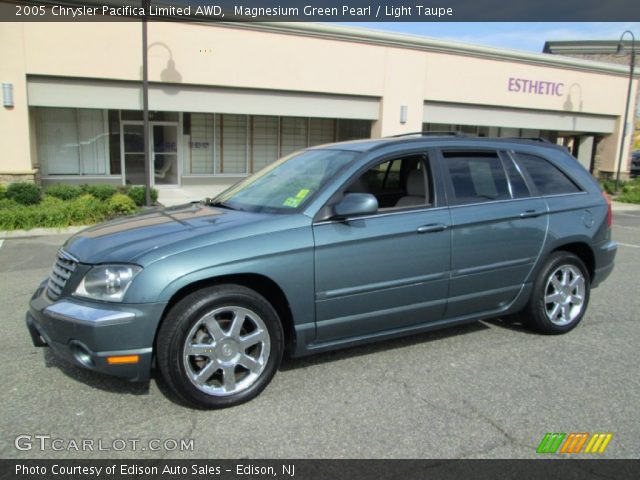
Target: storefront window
353, 130
264, 141
293, 135
231, 144
73, 141
243, 144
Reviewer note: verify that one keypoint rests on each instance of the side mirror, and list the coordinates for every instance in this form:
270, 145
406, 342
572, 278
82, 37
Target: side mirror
356, 204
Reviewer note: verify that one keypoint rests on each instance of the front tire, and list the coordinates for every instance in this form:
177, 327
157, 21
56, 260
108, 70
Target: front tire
220, 346
560, 294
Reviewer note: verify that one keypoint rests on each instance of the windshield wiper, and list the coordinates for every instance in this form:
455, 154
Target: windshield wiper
210, 203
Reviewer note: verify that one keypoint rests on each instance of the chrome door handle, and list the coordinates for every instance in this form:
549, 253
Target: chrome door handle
434, 227
530, 214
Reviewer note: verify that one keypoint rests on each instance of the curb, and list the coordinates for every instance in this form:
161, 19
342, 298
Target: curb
624, 207
40, 232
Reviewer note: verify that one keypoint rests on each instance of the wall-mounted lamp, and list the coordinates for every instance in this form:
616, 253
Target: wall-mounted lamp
7, 95
404, 109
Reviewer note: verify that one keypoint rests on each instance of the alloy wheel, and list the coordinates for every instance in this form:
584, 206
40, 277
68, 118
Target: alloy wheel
564, 295
226, 351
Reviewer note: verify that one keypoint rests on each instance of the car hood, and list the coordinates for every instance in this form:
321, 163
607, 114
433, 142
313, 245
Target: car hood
130, 239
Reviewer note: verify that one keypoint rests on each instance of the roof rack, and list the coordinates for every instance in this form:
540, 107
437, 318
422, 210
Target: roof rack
433, 133
533, 139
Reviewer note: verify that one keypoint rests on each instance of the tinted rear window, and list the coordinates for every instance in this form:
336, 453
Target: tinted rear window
548, 179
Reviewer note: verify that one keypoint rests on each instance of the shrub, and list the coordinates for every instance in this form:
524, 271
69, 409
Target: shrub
53, 212
137, 194
101, 191
86, 209
63, 192
609, 185
48, 200
632, 196
3, 191
24, 193
121, 204
7, 203
630, 192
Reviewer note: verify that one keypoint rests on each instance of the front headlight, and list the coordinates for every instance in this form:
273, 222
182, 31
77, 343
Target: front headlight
107, 282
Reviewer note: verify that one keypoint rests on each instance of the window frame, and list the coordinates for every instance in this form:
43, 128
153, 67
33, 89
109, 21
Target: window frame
437, 188
533, 188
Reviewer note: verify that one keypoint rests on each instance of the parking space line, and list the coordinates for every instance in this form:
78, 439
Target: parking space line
1, 242
627, 228
628, 245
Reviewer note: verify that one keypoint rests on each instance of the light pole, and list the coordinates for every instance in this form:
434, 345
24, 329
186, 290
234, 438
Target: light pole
145, 107
632, 64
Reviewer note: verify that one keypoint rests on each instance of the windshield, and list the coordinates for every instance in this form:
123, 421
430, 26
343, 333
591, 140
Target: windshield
286, 184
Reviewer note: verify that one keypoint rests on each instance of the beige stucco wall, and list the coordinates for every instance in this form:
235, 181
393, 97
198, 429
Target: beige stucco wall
474, 80
14, 122
205, 54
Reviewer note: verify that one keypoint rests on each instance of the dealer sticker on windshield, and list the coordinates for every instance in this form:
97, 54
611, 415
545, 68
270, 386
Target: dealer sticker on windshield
293, 202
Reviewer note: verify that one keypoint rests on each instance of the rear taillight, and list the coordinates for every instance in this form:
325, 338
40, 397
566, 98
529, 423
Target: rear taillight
609, 212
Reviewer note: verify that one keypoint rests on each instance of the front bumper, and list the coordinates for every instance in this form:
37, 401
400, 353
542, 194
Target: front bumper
91, 334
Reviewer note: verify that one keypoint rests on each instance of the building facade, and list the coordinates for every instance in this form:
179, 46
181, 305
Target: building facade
605, 51
228, 99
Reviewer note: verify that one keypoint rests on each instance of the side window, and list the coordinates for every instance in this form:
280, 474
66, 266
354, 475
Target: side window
476, 176
383, 178
398, 183
548, 179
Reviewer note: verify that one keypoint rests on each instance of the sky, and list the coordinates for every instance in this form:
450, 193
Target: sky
525, 36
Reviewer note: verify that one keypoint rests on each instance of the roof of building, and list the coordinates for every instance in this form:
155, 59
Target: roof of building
417, 42
582, 46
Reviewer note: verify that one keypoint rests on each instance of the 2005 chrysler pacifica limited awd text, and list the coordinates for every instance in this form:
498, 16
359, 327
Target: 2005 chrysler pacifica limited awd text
329, 247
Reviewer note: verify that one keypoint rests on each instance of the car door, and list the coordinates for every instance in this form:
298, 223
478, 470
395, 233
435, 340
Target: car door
383, 271
497, 230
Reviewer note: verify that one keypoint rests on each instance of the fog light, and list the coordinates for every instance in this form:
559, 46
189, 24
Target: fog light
82, 354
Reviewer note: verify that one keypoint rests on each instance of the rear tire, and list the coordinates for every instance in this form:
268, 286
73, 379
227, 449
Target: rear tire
220, 346
560, 294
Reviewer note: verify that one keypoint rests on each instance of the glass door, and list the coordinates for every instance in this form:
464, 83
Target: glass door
133, 152
164, 153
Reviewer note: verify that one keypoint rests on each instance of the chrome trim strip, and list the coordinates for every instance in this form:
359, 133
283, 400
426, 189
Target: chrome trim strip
67, 256
73, 312
521, 199
379, 215
61, 272
491, 266
135, 351
371, 287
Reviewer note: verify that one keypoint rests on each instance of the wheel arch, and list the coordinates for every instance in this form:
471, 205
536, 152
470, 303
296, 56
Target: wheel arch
261, 284
583, 251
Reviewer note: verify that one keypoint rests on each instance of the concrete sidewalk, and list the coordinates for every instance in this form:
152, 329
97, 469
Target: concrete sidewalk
176, 196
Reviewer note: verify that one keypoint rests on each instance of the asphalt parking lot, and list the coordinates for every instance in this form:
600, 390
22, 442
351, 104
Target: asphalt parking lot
485, 390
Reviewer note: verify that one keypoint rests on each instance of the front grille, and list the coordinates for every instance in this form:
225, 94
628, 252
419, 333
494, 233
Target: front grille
63, 268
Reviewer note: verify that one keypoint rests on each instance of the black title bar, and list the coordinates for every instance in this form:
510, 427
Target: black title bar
562, 468
323, 10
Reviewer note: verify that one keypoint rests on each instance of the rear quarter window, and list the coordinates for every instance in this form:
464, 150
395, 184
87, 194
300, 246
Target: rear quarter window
548, 179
